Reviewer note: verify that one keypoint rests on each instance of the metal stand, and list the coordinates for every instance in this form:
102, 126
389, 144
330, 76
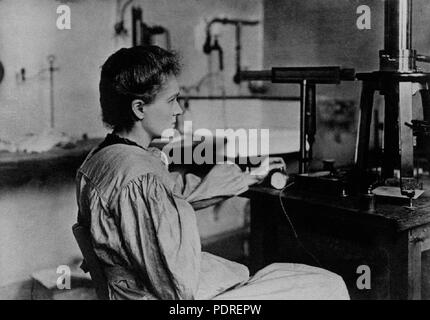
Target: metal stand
398, 90
307, 78
307, 123
398, 80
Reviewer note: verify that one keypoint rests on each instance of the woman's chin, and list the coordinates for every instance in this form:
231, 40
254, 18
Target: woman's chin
169, 132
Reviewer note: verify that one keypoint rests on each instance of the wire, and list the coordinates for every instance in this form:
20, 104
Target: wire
296, 236
285, 212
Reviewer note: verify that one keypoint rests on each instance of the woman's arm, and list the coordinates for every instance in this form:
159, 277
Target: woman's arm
222, 181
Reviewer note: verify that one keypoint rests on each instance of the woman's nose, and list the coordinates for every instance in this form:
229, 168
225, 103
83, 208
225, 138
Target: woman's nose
178, 109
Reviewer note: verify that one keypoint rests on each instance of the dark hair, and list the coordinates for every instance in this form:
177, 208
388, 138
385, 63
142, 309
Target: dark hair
130, 73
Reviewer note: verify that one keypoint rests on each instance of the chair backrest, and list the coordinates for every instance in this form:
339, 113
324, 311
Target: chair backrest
83, 238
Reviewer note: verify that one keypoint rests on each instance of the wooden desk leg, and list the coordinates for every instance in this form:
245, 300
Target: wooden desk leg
256, 249
263, 238
405, 266
425, 140
414, 267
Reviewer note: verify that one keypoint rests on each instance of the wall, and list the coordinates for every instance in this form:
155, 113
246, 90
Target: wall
28, 34
35, 228
35, 220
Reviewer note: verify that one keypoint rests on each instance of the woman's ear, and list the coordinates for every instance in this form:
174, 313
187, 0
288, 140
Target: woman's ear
137, 106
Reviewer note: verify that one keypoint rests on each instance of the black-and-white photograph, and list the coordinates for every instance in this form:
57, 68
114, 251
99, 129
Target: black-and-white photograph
226, 150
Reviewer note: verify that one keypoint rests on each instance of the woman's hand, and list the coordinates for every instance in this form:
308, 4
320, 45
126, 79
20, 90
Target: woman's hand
257, 175
251, 180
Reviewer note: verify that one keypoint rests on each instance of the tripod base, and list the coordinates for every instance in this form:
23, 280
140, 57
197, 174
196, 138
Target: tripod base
398, 90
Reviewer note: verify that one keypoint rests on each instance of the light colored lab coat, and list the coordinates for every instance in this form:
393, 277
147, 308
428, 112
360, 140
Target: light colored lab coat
145, 234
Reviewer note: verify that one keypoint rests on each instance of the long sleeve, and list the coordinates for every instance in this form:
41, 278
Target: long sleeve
223, 180
161, 237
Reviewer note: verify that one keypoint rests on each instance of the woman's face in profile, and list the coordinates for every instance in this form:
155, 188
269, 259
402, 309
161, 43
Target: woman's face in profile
161, 114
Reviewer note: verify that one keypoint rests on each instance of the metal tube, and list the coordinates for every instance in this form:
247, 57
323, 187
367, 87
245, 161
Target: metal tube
233, 21
311, 128
136, 18
303, 153
51, 95
249, 75
398, 25
51, 60
398, 54
315, 75
236, 77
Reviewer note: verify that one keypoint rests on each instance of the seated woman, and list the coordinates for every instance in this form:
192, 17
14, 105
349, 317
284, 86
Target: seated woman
140, 217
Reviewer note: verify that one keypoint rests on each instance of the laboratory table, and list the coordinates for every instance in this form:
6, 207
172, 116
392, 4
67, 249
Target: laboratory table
391, 242
19, 168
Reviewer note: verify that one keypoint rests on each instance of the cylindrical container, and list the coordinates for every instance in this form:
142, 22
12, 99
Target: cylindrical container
398, 54
367, 202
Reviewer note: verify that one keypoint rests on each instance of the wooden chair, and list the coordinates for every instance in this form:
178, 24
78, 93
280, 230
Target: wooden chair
83, 238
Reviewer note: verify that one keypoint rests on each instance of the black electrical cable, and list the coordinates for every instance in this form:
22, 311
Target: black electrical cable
296, 236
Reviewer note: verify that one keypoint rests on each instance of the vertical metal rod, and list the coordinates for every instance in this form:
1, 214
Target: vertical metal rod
303, 99
376, 142
236, 77
391, 130
406, 133
133, 27
51, 60
136, 26
398, 25
310, 129
405, 24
